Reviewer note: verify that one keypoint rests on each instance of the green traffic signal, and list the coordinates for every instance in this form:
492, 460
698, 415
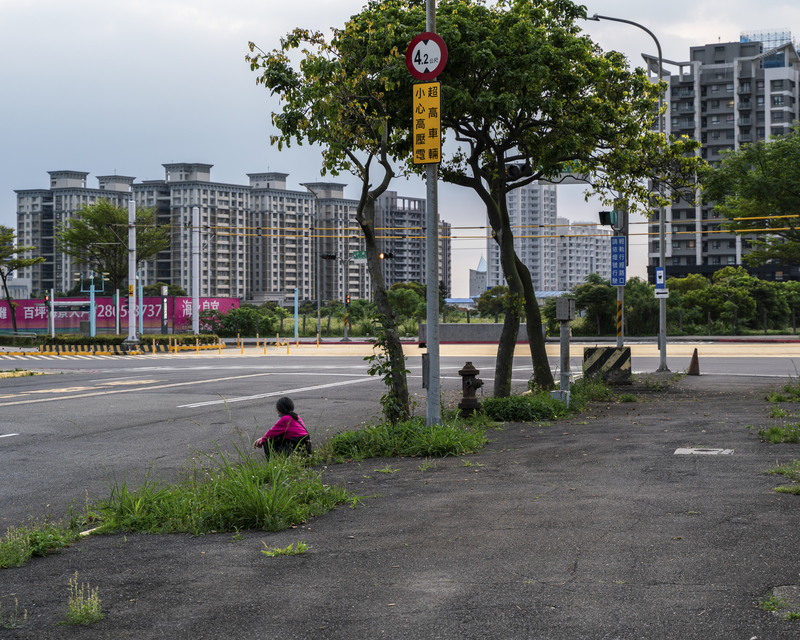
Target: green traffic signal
608, 218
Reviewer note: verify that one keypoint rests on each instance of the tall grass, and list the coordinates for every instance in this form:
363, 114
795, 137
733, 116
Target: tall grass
222, 492
528, 408
38, 537
408, 438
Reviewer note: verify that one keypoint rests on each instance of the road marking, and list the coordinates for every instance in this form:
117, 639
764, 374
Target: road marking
274, 393
8, 435
108, 393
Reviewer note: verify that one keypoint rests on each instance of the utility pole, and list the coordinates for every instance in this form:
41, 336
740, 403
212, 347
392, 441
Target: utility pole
132, 338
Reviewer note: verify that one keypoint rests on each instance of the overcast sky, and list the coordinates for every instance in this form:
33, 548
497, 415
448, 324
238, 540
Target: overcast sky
123, 87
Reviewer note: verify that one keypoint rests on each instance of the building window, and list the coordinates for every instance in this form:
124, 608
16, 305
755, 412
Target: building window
777, 131
777, 85
716, 244
759, 84
759, 101
731, 259
714, 119
777, 116
676, 245
714, 88
715, 135
729, 87
777, 101
714, 259
676, 261
715, 104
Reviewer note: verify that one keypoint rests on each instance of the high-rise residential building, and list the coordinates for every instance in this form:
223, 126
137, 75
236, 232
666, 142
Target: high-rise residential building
583, 248
532, 210
400, 229
258, 241
339, 234
726, 94
40, 211
224, 221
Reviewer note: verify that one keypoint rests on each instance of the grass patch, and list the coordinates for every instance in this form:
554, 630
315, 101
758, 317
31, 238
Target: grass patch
791, 470
530, 408
777, 435
37, 538
221, 493
13, 620
291, 550
776, 411
627, 397
789, 392
84, 603
408, 438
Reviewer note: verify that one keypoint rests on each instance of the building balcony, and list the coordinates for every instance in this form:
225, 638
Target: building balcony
745, 137
746, 105
745, 121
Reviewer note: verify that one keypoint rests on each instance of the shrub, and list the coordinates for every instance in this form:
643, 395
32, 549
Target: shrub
529, 408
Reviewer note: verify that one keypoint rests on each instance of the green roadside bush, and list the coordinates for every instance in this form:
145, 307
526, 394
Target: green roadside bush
529, 408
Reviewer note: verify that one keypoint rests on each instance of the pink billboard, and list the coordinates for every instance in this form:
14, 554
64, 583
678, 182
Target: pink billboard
32, 315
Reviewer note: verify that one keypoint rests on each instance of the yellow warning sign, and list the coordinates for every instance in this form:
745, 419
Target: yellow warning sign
427, 123
130, 289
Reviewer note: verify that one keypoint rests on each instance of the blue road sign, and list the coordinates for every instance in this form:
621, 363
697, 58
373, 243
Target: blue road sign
618, 261
660, 280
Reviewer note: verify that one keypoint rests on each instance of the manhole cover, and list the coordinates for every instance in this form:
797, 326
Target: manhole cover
703, 452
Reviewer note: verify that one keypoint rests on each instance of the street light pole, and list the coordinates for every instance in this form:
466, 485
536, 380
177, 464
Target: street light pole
317, 259
662, 302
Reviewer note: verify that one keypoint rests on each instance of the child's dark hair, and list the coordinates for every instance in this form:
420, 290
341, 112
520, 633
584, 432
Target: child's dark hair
285, 407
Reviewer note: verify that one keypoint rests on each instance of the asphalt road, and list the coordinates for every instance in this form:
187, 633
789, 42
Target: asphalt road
94, 417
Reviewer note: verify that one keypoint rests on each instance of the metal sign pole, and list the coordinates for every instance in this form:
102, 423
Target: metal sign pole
433, 399
131, 272
195, 270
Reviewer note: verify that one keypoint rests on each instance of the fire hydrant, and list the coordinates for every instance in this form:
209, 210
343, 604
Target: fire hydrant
470, 383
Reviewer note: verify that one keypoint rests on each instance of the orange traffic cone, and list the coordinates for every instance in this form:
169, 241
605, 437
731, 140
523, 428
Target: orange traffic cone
694, 366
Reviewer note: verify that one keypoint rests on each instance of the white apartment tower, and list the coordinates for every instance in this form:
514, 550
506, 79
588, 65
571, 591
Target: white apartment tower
725, 95
532, 210
583, 248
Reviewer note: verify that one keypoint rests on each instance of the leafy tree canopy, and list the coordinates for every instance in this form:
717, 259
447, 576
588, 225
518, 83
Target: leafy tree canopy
761, 180
97, 237
11, 260
493, 301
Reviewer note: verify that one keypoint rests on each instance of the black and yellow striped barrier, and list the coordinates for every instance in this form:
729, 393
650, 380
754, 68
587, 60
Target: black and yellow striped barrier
613, 364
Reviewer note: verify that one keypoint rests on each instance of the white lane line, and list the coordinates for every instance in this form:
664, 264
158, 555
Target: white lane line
274, 393
8, 435
64, 398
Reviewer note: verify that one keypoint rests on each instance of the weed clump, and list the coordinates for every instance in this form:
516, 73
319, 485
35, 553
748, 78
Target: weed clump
84, 603
530, 408
226, 493
38, 538
408, 438
777, 435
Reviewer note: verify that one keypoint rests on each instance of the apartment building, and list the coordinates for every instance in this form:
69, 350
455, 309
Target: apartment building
532, 210
725, 95
400, 224
583, 248
40, 211
258, 241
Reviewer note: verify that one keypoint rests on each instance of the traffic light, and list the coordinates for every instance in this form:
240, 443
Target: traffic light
328, 256
388, 254
608, 218
347, 299
617, 219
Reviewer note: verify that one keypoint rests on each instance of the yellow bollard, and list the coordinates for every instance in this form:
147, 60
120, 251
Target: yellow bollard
257, 345
242, 347
278, 340
265, 346
317, 339
287, 346
154, 345
197, 346
219, 346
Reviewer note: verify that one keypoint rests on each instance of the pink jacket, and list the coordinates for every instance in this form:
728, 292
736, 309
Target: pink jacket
288, 427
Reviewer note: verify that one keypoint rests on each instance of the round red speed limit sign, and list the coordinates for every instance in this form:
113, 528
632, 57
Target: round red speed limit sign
426, 56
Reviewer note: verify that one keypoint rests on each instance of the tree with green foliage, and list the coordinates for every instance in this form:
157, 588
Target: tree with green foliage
154, 290
97, 237
692, 282
641, 308
597, 298
405, 302
492, 302
335, 99
758, 187
524, 88
10, 260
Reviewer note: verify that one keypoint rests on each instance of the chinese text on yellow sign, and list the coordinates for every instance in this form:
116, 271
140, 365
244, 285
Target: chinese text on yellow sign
427, 123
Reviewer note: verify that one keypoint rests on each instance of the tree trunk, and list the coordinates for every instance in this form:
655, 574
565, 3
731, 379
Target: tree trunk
542, 375
365, 216
11, 307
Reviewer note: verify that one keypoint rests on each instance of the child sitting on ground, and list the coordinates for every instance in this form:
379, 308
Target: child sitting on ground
287, 435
